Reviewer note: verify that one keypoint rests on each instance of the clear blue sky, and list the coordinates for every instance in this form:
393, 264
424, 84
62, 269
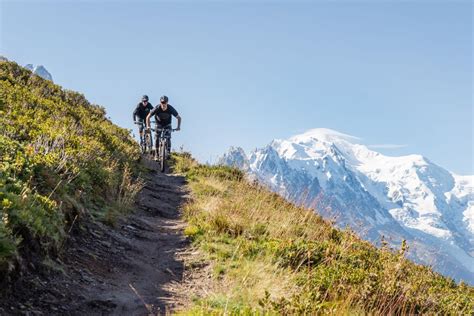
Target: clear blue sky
243, 73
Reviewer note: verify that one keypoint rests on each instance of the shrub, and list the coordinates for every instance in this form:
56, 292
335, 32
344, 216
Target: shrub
60, 158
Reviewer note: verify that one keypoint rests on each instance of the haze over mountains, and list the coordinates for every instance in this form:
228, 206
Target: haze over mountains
406, 197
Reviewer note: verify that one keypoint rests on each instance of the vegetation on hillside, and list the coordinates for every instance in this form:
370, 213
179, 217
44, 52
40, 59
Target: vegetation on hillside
270, 256
61, 160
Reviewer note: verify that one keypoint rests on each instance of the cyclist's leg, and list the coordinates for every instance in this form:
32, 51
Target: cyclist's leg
140, 130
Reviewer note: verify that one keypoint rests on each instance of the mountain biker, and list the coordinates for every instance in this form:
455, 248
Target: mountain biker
163, 114
142, 109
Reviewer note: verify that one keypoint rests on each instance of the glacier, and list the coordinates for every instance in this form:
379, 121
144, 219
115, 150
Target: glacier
395, 198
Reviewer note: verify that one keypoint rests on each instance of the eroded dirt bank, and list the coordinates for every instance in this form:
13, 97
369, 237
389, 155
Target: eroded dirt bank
132, 269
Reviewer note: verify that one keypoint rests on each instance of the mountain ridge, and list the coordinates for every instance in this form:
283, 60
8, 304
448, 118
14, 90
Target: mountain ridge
407, 197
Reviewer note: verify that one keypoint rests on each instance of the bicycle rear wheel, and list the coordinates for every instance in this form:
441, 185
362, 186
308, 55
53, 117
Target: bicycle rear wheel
148, 144
142, 145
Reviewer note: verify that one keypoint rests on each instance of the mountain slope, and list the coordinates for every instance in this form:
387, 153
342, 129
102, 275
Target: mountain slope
268, 256
61, 161
399, 198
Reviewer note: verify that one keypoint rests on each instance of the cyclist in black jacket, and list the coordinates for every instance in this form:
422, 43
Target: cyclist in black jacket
142, 110
163, 114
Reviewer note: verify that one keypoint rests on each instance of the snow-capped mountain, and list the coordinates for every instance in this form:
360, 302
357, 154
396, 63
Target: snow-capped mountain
406, 197
40, 71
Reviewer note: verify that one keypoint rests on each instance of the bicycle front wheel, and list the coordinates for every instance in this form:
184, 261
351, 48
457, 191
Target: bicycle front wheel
163, 145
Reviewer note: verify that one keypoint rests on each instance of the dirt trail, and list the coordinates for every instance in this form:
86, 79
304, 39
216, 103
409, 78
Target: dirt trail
133, 269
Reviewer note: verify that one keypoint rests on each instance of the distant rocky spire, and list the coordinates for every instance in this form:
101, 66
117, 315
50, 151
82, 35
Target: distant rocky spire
40, 70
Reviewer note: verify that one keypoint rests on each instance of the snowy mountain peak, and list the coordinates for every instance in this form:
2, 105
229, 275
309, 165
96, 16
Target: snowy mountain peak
235, 157
406, 197
40, 70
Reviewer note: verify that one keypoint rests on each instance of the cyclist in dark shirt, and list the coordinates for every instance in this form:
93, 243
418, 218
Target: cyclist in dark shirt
163, 115
142, 109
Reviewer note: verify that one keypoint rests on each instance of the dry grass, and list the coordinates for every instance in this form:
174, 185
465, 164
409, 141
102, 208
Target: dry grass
129, 188
123, 187
270, 256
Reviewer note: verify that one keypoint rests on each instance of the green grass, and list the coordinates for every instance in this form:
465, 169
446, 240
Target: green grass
272, 257
61, 161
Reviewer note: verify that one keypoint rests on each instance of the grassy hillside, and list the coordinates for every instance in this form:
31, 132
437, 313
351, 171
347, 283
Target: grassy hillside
270, 256
61, 160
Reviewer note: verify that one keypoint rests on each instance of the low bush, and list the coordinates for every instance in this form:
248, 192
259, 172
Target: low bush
60, 159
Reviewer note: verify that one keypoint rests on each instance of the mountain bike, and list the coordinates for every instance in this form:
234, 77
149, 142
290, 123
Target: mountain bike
163, 139
146, 139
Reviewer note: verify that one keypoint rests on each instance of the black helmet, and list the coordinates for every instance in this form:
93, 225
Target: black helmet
145, 98
164, 98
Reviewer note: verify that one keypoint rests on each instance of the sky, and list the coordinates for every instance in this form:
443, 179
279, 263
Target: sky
397, 74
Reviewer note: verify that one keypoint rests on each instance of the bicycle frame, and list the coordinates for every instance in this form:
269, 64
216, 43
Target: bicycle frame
162, 134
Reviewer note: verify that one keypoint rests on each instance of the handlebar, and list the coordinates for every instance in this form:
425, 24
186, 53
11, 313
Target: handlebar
159, 129
153, 129
143, 122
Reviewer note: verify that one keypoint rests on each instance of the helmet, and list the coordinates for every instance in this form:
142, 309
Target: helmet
145, 98
164, 98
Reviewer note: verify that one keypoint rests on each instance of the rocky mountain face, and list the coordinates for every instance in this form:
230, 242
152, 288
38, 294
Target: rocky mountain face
394, 198
40, 70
